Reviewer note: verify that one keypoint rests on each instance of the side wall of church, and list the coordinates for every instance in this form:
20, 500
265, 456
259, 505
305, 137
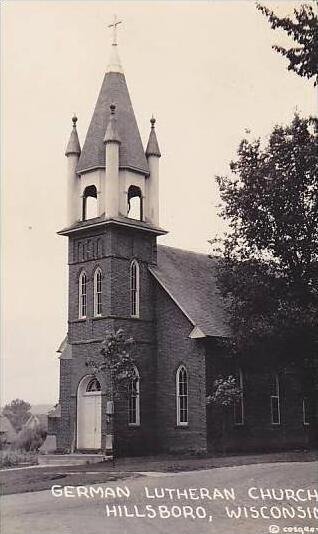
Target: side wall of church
257, 431
176, 348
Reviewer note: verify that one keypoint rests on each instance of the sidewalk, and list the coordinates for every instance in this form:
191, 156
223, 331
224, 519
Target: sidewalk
39, 478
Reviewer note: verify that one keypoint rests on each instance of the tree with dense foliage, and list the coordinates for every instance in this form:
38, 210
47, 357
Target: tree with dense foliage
303, 29
18, 412
30, 439
224, 394
269, 269
118, 363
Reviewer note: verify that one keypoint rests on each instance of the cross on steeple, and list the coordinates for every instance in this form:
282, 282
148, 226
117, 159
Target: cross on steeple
114, 26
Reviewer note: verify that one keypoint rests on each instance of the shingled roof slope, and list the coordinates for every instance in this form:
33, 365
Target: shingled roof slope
131, 153
190, 279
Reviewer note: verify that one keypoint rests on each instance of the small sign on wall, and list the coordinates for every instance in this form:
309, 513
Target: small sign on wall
109, 408
109, 442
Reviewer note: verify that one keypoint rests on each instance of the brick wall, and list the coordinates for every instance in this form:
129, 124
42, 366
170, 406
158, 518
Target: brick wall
175, 348
112, 251
64, 436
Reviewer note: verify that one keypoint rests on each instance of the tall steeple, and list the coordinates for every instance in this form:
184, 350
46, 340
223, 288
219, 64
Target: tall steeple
113, 176
113, 91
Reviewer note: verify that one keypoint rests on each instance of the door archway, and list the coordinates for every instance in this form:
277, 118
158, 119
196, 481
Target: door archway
89, 408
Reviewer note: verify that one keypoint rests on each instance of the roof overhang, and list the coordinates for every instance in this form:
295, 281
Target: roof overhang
136, 170
128, 223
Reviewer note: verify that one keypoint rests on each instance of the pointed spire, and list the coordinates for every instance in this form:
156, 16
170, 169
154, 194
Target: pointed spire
112, 135
152, 146
73, 145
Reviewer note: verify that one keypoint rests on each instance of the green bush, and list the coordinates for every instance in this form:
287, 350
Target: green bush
11, 458
30, 439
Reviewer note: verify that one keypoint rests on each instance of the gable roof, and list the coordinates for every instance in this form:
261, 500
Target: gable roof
131, 153
190, 280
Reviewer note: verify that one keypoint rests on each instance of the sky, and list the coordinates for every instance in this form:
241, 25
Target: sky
207, 72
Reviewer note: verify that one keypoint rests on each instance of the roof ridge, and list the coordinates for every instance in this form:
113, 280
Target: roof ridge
185, 250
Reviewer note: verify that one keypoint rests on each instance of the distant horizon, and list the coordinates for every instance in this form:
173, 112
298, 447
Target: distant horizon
210, 76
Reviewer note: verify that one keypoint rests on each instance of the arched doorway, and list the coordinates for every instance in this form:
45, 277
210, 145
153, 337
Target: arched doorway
89, 408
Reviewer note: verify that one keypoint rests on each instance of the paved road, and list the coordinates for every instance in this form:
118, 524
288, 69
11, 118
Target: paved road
42, 513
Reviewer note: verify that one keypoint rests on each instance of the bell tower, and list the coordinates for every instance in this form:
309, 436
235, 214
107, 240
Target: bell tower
112, 229
113, 169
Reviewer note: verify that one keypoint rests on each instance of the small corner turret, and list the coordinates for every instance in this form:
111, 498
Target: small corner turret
152, 146
153, 154
72, 152
112, 142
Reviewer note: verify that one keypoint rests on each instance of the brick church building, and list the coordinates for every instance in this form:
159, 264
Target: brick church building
120, 277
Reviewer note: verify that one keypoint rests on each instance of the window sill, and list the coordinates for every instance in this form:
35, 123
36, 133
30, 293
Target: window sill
183, 426
133, 425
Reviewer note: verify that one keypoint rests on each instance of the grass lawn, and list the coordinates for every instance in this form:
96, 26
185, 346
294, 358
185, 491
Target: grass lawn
41, 478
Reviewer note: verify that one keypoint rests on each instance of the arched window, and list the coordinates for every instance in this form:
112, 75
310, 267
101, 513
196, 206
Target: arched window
182, 396
82, 283
239, 403
98, 292
275, 399
93, 385
134, 289
134, 400
89, 203
306, 410
135, 207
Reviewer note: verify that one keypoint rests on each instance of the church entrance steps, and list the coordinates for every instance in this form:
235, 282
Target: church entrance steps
72, 459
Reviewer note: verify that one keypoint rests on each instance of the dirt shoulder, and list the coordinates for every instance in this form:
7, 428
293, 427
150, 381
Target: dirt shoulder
41, 478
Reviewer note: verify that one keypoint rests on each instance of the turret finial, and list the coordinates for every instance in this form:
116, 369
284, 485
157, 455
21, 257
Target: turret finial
112, 134
73, 145
152, 146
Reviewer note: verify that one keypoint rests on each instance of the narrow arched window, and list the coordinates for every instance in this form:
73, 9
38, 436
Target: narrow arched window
134, 400
89, 209
98, 292
134, 289
82, 295
135, 205
275, 399
239, 403
306, 410
182, 396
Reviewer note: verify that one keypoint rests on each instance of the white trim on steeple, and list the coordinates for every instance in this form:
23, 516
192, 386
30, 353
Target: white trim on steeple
114, 64
197, 333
